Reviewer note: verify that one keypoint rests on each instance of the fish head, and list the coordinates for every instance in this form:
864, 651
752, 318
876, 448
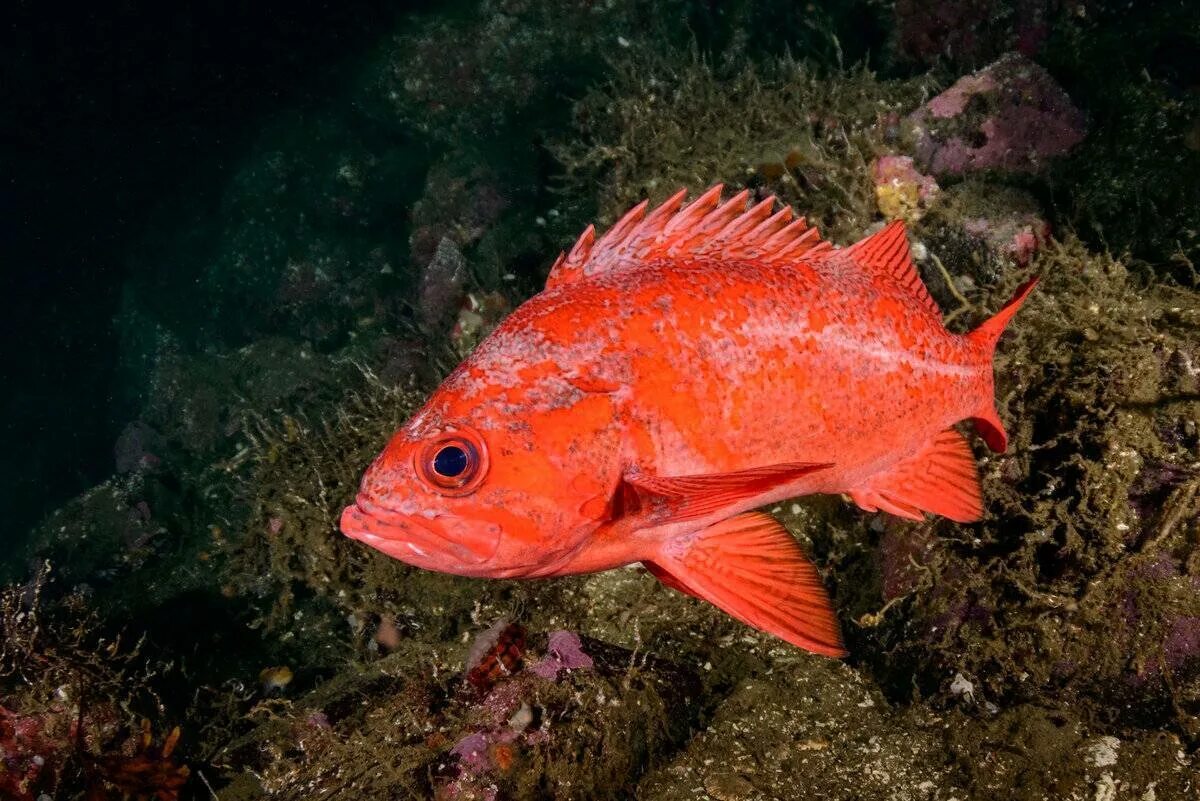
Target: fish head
473, 498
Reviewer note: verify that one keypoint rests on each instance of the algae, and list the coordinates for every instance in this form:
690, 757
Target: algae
782, 127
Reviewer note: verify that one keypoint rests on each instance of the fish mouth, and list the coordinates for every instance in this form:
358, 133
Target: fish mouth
402, 537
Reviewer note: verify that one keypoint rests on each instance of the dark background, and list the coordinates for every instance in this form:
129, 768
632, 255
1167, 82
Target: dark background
109, 117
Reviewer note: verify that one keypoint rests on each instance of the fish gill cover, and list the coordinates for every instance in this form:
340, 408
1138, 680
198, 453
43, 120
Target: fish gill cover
1050, 650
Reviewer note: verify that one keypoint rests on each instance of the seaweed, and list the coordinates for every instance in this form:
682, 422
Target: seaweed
781, 127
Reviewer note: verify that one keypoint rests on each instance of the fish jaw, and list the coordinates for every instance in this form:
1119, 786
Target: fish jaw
457, 547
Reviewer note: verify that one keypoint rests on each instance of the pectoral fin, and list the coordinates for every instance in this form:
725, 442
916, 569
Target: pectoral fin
752, 568
678, 498
940, 479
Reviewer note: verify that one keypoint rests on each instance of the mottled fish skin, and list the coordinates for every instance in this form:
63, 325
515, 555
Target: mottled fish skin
686, 345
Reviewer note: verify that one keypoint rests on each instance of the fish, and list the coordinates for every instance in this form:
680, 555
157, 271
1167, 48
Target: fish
694, 364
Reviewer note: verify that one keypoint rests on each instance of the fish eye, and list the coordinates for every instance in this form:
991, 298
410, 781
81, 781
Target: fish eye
450, 461
454, 463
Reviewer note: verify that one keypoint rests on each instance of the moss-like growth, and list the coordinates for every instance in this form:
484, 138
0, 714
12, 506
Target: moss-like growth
409, 726
781, 128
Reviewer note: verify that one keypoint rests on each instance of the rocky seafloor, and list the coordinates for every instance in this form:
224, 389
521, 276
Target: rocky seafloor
196, 627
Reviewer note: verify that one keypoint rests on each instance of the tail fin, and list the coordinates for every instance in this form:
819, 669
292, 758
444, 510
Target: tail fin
986, 421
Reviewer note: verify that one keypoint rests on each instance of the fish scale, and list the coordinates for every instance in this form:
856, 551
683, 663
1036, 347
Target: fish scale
688, 366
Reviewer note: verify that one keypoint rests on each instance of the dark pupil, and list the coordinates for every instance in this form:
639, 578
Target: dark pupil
450, 461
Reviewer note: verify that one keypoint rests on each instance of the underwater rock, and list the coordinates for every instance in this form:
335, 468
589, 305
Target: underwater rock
441, 289
137, 448
200, 403
1010, 117
104, 535
1068, 588
811, 728
903, 556
1033, 752
581, 736
980, 232
402, 361
778, 127
969, 32
461, 201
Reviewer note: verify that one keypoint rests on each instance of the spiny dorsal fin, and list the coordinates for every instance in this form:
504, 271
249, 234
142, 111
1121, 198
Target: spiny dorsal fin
704, 229
886, 253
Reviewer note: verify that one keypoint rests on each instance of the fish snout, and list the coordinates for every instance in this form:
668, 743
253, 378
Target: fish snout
452, 548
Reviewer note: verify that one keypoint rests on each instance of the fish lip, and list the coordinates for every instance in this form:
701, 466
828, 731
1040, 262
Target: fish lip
400, 536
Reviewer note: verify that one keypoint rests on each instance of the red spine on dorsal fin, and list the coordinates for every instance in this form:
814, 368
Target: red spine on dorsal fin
704, 229
886, 254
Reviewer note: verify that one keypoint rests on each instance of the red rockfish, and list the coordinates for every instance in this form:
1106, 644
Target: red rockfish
694, 364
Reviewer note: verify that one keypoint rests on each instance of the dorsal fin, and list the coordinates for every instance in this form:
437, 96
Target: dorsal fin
705, 228
886, 253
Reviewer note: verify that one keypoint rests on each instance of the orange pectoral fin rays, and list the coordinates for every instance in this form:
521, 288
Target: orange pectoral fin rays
750, 567
680, 498
940, 479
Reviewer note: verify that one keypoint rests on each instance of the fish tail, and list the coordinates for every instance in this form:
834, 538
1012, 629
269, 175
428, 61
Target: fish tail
986, 420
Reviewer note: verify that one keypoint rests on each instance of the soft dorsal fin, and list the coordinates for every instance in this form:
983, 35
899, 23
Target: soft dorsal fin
886, 253
941, 479
704, 229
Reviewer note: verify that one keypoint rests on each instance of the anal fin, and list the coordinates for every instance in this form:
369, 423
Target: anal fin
751, 567
941, 479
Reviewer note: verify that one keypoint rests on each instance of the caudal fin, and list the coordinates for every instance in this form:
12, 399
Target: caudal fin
986, 421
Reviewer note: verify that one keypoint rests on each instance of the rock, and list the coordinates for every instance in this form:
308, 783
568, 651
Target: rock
812, 728
980, 232
969, 32
521, 736
441, 290
137, 448
1009, 117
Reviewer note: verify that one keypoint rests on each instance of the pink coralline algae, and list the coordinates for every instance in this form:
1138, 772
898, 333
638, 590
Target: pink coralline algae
32, 749
1010, 116
563, 652
1017, 237
901, 192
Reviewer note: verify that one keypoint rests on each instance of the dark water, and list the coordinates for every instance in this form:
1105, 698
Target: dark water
123, 122
241, 242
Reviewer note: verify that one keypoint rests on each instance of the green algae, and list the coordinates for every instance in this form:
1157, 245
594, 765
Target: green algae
782, 127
